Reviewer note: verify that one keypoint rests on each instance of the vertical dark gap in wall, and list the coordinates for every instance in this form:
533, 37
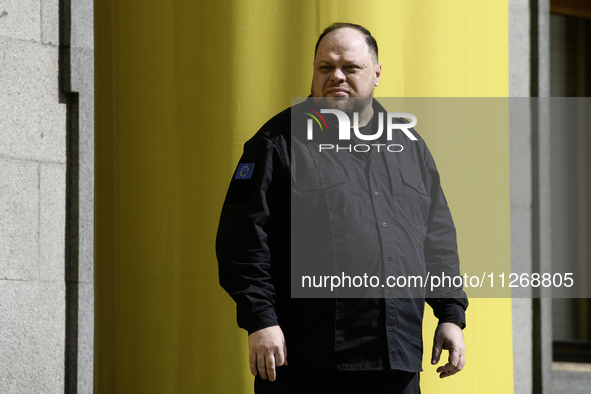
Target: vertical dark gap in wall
71, 100
536, 253
72, 221
534, 48
65, 26
587, 61
587, 82
536, 266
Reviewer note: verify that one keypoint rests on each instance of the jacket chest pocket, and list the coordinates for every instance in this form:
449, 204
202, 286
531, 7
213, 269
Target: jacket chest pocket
323, 197
411, 197
415, 199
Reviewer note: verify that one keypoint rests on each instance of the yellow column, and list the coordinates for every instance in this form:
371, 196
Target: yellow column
180, 86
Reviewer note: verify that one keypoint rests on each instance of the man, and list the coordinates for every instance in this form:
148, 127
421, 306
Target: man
369, 345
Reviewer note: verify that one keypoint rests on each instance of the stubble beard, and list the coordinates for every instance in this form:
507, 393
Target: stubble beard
348, 105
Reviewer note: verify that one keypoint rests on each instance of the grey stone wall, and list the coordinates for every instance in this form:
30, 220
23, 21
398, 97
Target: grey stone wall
32, 199
531, 246
80, 263
521, 188
37, 161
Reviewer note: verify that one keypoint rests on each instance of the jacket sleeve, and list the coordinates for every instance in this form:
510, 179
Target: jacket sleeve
242, 245
441, 252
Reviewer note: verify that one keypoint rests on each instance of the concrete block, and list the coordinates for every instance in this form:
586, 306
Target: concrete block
20, 19
32, 337
85, 337
19, 215
521, 235
519, 4
32, 121
82, 64
86, 234
519, 52
522, 345
82, 24
520, 152
50, 28
544, 48
571, 378
52, 222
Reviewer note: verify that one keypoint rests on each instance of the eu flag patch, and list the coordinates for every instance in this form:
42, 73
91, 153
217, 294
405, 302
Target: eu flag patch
244, 171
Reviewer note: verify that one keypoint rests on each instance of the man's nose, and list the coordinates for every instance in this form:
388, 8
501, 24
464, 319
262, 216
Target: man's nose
338, 75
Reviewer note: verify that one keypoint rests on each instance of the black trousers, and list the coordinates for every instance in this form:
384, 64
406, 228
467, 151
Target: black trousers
294, 379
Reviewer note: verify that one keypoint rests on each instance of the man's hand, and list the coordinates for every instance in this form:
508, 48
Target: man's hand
449, 336
266, 350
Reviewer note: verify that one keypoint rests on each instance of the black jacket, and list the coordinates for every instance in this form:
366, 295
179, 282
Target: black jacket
377, 212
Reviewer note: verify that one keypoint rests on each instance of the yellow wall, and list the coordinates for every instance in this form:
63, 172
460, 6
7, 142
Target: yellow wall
180, 85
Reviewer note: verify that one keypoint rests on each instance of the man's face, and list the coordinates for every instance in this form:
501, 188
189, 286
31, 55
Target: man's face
344, 67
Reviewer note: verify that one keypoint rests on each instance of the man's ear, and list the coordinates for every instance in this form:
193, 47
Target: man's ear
378, 73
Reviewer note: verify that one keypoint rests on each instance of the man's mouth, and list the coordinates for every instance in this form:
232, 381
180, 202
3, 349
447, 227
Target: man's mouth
337, 92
